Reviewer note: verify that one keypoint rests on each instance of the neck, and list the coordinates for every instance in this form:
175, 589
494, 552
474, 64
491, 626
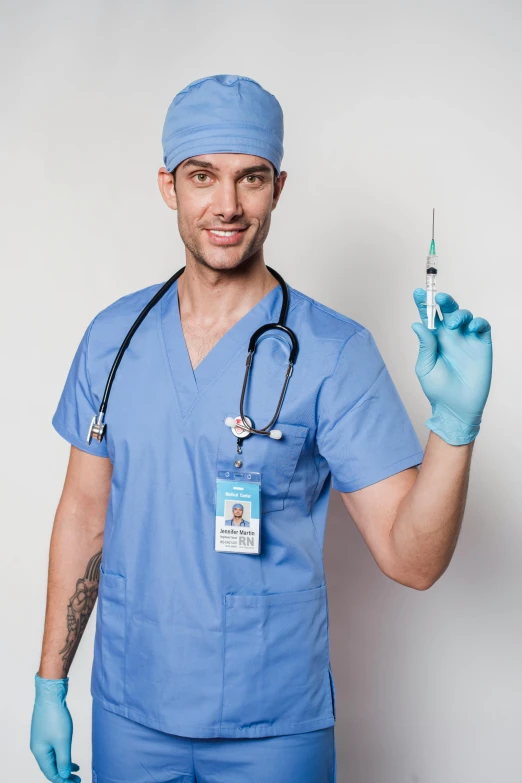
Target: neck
210, 296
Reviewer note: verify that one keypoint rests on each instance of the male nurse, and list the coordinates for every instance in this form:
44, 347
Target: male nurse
196, 648
237, 516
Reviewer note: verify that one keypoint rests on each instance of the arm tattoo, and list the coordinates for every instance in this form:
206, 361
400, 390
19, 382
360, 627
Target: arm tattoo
79, 609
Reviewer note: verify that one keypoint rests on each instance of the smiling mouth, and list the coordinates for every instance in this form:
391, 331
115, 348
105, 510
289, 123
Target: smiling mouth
225, 233
219, 237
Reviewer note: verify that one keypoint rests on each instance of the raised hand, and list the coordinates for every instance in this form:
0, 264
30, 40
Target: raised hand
454, 368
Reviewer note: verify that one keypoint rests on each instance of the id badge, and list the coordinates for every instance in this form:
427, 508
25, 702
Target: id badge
238, 512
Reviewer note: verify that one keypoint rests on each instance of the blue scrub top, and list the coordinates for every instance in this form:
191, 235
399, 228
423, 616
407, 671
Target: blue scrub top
243, 523
217, 644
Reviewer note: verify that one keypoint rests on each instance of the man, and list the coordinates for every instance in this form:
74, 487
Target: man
237, 516
172, 688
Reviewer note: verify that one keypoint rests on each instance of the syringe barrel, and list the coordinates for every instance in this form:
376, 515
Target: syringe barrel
431, 289
432, 262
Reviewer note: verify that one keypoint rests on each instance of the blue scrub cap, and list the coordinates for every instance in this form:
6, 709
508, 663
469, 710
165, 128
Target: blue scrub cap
223, 113
237, 505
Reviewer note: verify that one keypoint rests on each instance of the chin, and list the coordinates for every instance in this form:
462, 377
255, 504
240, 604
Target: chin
220, 264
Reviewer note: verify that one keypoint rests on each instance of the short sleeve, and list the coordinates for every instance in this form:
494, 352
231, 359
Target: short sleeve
364, 431
76, 406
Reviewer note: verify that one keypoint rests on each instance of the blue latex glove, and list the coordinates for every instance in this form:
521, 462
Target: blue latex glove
51, 730
454, 368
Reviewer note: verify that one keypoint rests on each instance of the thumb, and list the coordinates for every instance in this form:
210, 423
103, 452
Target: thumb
428, 347
63, 758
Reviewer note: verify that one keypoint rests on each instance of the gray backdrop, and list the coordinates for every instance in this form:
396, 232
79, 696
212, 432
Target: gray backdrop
390, 109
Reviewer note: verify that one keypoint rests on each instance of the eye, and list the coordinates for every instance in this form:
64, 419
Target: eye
248, 176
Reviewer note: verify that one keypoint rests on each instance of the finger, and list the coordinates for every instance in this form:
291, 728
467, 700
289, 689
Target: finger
428, 347
419, 296
458, 319
46, 761
72, 777
482, 329
447, 303
479, 325
62, 749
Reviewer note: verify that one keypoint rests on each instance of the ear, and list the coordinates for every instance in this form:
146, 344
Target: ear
278, 188
166, 186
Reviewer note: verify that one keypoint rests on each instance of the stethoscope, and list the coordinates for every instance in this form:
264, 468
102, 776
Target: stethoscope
241, 425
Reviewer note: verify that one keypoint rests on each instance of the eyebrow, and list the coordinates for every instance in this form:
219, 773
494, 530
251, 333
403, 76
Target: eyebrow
206, 165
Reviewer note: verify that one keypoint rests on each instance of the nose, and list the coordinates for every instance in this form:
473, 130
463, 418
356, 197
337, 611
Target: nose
226, 203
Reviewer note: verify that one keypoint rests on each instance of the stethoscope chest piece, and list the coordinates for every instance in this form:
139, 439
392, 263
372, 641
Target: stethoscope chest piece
97, 428
237, 426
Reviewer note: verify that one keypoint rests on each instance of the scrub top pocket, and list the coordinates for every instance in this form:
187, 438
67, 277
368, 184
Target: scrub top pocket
276, 665
276, 460
111, 629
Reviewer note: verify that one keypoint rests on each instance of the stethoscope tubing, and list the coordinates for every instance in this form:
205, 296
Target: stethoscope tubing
98, 426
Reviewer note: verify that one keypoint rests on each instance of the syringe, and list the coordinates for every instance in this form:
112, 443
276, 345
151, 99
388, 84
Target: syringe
431, 281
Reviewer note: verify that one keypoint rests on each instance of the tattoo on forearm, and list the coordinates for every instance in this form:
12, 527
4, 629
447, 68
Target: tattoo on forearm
79, 609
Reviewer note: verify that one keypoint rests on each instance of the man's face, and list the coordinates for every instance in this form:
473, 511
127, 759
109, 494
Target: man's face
223, 191
238, 512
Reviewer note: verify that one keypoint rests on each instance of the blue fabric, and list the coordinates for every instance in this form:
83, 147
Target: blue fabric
203, 643
243, 523
123, 750
223, 113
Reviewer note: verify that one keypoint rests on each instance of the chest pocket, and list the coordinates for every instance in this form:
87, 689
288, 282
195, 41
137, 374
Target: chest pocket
276, 460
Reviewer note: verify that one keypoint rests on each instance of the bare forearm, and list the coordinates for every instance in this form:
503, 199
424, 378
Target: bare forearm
427, 526
72, 589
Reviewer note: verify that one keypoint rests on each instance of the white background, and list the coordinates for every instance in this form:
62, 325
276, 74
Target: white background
390, 109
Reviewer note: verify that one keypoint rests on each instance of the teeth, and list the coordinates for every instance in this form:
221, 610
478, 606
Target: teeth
223, 233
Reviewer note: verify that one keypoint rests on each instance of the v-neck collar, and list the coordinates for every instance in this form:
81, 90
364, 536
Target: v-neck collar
189, 384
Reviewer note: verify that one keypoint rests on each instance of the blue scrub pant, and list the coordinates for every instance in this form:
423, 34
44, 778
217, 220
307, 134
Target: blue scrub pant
124, 751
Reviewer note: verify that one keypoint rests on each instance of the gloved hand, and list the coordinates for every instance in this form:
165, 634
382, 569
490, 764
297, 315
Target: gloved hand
51, 730
454, 368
